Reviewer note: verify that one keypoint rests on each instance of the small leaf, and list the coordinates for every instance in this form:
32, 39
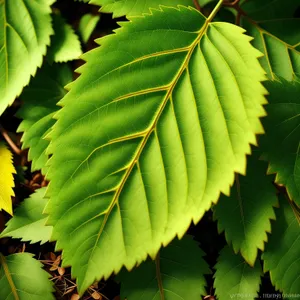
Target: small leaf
28, 222
234, 277
87, 25
22, 277
245, 215
65, 44
281, 59
281, 144
281, 256
6, 179
149, 136
25, 29
37, 111
177, 273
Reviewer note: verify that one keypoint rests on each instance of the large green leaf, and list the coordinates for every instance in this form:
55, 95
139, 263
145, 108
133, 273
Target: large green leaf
25, 29
281, 57
28, 222
22, 278
245, 216
234, 278
65, 44
177, 273
281, 144
145, 143
39, 105
135, 7
270, 9
281, 256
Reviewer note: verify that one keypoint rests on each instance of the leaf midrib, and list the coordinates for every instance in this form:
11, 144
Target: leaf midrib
8, 276
151, 128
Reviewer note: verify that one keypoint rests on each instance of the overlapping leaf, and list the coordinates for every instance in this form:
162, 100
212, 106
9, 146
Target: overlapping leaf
135, 7
154, 136
7, 170
270, 9
39, 105
87, 25
281, 57
25, 29
28, 222
281, 256
245, 216
177, 273
281, 144
65, 44
234, 278
22, 278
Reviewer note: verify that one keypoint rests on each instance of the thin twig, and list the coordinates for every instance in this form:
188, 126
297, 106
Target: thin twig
232, 4
197, 5
9, 141
235, 5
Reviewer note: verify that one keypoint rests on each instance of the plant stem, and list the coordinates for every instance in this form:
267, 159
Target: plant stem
215, 10
9, 141
197, 4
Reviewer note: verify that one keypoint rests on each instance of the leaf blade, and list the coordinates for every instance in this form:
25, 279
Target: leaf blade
37, 115
65, 45
22, 43
7, 179
145, 146
16, 282
280, 145
251, 195
235, 277
87, 25
281, 59
28, 222
281, 259
178, 272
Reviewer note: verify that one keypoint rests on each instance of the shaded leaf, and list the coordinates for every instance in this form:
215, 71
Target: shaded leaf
234, 278
281, 256
40, 99
28, 222
6, 179
25, 29
245, 215
22, 277
281, 58
157, 134
279, 29
177, 273
270, 9
65, 44
281, 143
87, 25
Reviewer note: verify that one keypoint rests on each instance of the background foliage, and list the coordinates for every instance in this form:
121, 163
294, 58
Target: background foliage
175, 141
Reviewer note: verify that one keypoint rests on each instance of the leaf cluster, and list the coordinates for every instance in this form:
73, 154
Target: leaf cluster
188, 113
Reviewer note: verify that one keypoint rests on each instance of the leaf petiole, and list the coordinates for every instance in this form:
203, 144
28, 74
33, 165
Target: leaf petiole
215, 11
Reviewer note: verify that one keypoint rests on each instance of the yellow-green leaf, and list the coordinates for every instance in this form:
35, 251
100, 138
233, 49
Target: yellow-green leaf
7, 170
